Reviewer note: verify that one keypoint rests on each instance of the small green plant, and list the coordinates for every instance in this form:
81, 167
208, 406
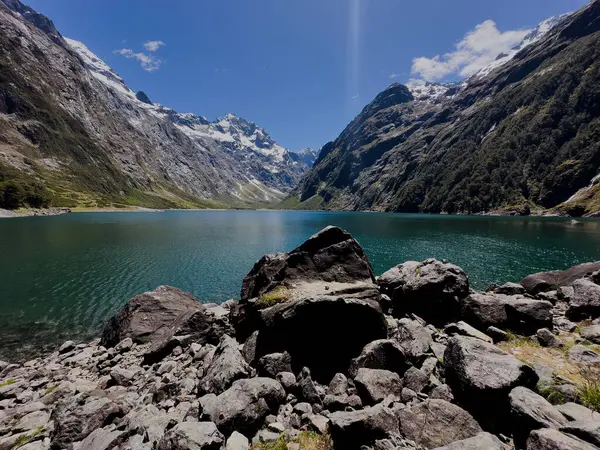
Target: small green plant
308, 440
27, 438
50, 390
515, 340
278, 295
552, 394
589, 390
7, 382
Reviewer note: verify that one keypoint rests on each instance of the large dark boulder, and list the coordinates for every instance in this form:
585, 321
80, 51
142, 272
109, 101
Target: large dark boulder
331, 255
227, 366
244, 406
585, 300
519, 314
430, 289
435, 423
319, 303
588, 430
352, 429
159, 317
530, 411
381, 354
192, 436
482, 376
374, 385
550, 281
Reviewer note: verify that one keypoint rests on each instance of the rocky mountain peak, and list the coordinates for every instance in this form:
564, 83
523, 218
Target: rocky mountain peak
142, 97
38, 20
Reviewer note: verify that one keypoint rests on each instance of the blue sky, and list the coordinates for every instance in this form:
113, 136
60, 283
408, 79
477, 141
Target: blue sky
301, 69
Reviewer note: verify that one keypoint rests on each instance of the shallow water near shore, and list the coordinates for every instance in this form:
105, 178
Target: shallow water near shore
62, 277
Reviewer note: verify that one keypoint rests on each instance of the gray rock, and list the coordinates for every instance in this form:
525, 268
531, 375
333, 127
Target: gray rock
430, 289
341, 401
464, 329
385, 354
414, 339
66, 347
519, 314
124, 346
31, 421
352, 429
192, 436
74, 422
584, 355
307, 389
123, 377
588, 431
159, 317
415, 379
579, 413
287, 379
303, 408
481, 377
249, 349
244, 405
442, 392
435, 423
591, 333
338, 384
497, 334
530, 411
510, 289
547, 339
482, 441
374, 385
318, 423
585, 301
237, 441
549, 281
102, 439
271, 365
551, 439
227, 366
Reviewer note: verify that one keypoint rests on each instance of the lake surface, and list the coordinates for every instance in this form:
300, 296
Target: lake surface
62, 277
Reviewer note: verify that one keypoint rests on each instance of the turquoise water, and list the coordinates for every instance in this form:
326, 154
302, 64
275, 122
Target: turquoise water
62, 277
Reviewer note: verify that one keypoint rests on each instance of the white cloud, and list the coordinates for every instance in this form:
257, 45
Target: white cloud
153, 46
394, 75
475, 51
148, 62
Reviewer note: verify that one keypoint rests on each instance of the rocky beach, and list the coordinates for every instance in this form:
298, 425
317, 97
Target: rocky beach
318, 354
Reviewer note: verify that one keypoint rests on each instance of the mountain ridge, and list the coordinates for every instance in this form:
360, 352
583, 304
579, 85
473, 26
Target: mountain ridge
520, 137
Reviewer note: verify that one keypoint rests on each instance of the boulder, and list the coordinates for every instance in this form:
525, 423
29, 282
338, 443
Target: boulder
547, 339
435, 423
237, 441
530, 411
550, 281
430, 289
591, 333
374, 385
271, 365
482, 441
584, 355
331, 255
383, 354
510, 289
551, 439
585, 301
464, 329
482, 376
588, 431
244, 406
192, 436
578, 413
519, 314
158, 317
227, 366
74, 422
318, 302
352, 429
415, 379
414, 339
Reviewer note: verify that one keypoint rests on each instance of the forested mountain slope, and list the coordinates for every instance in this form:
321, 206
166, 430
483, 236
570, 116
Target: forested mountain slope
526, 135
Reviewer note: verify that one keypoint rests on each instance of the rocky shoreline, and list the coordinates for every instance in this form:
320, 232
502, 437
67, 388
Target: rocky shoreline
35, 212
319, 354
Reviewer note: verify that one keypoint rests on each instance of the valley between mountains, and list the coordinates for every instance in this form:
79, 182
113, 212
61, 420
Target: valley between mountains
520, 137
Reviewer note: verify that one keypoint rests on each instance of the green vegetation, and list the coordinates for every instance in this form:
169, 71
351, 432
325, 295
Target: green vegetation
520, 341
314, 203
551, 394
50, 390
308, 440
27, 438
8, 382
278, 295
589, 390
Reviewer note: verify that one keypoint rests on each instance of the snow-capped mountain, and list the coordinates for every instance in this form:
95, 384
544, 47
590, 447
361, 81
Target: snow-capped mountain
533, 36
308, 155
73, 126
424, 91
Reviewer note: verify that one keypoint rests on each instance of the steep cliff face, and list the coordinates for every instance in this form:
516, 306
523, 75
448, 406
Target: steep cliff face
524, 135
73, 133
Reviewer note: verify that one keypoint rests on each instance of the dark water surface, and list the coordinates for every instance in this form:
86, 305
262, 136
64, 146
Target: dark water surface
62, 277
